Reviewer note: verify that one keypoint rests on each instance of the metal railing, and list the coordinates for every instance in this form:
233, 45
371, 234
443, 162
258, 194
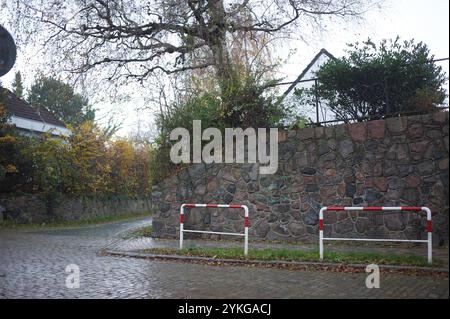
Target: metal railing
245, 234
402, 208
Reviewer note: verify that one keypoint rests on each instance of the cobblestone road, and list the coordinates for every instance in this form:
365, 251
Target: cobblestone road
32, 265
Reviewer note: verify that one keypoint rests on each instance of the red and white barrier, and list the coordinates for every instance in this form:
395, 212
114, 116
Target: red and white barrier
245, 234
403, 208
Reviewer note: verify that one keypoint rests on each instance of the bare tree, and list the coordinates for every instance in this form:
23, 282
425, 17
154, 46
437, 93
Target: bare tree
124, 39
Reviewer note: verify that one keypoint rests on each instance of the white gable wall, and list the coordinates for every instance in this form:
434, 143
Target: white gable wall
36, 126
309, 111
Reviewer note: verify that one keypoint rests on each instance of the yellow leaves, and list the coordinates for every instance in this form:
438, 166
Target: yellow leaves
88, 155
11, 169
7, 140
8, 145
122, 151
2, 110
122, 157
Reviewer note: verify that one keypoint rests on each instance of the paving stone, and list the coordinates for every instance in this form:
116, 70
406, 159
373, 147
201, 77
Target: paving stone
33, 265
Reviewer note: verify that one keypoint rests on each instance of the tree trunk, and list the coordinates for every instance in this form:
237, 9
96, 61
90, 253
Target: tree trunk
218, 43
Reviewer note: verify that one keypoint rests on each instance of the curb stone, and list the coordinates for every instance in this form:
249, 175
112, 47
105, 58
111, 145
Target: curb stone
297, 265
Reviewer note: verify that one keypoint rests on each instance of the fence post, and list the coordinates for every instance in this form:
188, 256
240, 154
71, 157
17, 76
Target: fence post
181, 225
430, 234
245, 230
321, 226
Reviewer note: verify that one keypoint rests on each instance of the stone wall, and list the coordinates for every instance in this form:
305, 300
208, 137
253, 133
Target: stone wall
394, 162
34, 208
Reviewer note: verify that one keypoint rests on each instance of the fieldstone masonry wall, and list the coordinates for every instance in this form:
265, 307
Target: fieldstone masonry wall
394, 162
34, 209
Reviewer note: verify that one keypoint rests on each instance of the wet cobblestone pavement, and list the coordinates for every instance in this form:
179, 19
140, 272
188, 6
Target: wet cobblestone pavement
33, 263
142, 243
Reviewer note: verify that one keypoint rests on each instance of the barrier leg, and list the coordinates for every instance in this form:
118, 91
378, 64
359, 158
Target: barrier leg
181, 236
181, 226
246, 242
321, 226
430, 232
321, 244
246, 230
430, 248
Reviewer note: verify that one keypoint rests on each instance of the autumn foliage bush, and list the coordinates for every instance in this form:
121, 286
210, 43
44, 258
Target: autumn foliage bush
86, 163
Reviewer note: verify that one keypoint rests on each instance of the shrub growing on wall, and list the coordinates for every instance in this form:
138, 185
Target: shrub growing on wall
244, 103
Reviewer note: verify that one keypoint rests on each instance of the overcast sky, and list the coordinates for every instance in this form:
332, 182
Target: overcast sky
423, 20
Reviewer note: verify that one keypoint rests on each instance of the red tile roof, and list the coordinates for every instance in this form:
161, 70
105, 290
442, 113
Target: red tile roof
20, 108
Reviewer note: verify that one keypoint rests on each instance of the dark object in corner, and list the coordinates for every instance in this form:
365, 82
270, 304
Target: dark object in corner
3, 213
7, 51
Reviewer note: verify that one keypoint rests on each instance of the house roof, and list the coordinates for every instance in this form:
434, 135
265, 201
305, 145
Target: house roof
20, 108
305, 71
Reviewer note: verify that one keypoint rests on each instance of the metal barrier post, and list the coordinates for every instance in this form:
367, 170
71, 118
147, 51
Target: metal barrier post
181, 225
430, 232
246, 230
246, 223
383, 208
321, 227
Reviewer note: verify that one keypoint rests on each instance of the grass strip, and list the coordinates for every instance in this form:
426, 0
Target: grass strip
296, 255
